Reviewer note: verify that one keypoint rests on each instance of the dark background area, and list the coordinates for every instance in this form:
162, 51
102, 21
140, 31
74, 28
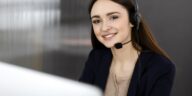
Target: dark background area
58, 43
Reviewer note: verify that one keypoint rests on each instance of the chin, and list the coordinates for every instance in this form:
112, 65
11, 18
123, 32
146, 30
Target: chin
109, 45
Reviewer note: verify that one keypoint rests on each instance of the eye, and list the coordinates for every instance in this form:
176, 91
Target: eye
114, 17
97, 21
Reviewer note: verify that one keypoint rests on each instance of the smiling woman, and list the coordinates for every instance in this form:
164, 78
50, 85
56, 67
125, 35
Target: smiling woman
140, 67
109, 25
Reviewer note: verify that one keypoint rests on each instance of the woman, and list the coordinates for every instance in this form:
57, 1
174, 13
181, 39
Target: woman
125, 60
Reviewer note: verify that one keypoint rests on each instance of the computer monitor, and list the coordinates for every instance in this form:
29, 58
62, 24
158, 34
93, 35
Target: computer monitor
19, 81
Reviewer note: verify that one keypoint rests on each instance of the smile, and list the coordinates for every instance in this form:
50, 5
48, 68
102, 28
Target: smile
109, 36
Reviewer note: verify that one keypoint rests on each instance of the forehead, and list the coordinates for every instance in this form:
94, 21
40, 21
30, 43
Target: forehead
102, 7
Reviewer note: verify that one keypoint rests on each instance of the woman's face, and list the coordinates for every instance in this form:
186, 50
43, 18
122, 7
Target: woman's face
110, 22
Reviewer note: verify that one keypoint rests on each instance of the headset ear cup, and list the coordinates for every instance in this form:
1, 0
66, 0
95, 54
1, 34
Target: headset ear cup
137, 19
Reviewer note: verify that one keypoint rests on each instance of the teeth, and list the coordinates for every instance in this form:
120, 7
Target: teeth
108, 36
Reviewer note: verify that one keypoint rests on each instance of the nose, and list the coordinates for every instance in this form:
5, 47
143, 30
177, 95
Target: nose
105, 26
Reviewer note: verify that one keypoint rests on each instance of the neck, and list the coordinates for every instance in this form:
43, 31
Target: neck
125, 55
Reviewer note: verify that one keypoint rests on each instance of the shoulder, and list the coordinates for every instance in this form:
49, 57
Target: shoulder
157, 74
158, 63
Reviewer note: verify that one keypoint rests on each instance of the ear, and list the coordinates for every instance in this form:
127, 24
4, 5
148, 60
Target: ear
131, 25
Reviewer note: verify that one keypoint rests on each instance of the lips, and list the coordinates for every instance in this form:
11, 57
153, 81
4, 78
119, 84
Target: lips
108, 36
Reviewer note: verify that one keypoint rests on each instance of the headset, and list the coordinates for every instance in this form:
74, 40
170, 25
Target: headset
137, 15
137, 20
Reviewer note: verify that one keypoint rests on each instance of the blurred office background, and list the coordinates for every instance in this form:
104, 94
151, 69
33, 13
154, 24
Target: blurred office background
53, 36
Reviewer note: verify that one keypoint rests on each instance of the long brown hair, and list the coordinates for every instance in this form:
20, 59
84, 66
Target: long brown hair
141, 40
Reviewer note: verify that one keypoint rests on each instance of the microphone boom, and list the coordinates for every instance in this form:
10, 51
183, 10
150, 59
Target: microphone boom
120, 45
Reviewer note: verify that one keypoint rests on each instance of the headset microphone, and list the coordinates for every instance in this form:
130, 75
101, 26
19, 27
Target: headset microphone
120, 45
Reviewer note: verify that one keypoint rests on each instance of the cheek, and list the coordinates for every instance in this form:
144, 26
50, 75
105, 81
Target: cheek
125, 26
124, 30
96, 30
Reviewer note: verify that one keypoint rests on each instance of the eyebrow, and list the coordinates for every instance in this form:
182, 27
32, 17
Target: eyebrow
110, 13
